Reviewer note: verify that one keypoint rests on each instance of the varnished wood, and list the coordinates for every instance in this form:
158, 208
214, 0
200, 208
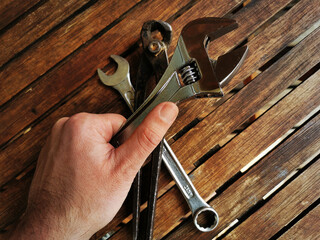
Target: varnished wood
51, 51
35, 25
307, 228
12, 9
306, 191
40, 57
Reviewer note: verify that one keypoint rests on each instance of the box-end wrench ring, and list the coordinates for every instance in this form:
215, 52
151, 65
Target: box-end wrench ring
197, 205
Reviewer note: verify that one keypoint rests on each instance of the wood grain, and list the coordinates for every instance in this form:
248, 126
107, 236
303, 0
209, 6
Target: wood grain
250, 189
307, 228
35, 25
68, 85
237, 154
30, 150
11, 9
93, 96
282, 208
40, 57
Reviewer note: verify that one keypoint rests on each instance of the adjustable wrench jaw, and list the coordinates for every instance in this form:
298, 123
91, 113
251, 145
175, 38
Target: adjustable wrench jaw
206, 76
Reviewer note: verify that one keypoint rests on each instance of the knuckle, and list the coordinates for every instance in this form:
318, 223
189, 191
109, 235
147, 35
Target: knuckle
149, 139
78, 122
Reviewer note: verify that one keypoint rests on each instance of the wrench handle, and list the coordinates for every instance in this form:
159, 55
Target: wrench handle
197, 205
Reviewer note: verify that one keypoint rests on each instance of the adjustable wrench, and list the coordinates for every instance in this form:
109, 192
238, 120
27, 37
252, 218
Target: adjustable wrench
196, 203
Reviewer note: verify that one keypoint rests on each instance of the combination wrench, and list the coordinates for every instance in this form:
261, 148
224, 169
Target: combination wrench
191, 73
120, 81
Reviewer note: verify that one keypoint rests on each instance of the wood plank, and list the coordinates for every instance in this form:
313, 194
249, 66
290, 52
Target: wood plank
11, 9
238, 153
251, 188
41, 57
29, 149
13, 200
206, 134
307, 228
91, 59
282, 208
35, 25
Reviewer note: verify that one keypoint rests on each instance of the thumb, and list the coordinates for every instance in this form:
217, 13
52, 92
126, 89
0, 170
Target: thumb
134, 151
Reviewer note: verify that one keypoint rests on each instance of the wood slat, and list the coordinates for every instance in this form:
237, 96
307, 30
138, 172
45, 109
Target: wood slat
250, 189
40, 57
30, 150
255, 95
237, 154
35, 25
282, 208
13, 200
11, 9
307, 228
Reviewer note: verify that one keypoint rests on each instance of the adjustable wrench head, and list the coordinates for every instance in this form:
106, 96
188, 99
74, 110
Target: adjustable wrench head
208, 75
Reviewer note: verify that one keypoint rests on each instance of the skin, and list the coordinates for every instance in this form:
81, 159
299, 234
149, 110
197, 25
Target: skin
81, 180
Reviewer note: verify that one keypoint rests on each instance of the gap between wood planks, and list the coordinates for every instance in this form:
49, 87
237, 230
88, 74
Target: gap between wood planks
21, 12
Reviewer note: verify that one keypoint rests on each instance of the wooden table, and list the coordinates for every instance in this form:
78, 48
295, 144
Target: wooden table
253, 155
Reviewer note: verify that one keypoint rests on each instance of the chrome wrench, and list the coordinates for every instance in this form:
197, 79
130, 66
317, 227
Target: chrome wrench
191, 73
121, 82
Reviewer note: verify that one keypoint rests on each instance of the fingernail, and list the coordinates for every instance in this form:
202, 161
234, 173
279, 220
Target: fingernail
169, 112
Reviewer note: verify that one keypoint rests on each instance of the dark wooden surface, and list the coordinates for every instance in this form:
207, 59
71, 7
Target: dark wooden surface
252, 155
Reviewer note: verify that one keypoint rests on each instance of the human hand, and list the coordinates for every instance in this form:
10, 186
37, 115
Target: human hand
81, 180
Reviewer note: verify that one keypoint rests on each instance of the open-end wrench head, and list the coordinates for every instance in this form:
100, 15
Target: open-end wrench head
120, 74
196, 36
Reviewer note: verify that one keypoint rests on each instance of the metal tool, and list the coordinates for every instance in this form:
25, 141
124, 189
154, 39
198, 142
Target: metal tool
156, 37
194, 82
196, 203
122, 85
191, 73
